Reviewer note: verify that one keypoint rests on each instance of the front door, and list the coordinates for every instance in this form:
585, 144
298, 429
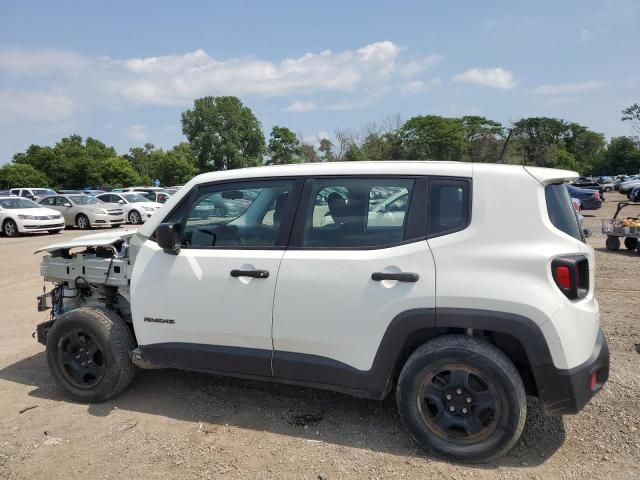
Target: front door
210, 306
358, 259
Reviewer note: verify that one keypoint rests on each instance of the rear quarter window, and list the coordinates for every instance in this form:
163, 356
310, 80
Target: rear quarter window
449, 206
561, 211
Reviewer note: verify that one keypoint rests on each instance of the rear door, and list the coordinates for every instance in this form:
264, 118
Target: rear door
352, 266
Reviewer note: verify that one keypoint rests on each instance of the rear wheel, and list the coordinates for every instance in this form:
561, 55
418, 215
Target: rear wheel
613, 243
88, 354
82, 222
462, 399
9, 228
631, 243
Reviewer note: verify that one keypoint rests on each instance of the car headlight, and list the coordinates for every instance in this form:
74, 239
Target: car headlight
149, 209
26, 217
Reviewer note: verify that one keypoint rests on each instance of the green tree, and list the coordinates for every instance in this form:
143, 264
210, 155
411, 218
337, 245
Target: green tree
70, 162
482, 137
431, 137
116, 172
622, 155
15, 175
142, 159
308, 153
326, 150
223, 133
354, 153
632, 114
176, 166
535, 136
284, 146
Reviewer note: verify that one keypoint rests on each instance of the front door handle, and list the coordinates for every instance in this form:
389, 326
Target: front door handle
400, 277
250, 273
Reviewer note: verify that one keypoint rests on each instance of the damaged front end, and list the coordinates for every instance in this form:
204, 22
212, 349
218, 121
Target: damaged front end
94, 270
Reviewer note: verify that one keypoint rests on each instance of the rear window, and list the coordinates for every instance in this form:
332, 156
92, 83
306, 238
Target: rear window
560, 209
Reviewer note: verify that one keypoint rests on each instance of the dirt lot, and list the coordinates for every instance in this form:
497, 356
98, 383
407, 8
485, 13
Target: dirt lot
171, 424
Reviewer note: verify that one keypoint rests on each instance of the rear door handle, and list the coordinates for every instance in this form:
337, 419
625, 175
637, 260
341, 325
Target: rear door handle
400, 277
250, 273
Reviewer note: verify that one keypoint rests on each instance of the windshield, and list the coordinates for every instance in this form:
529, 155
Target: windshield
83, 199
134, 197
42, 191
11, 203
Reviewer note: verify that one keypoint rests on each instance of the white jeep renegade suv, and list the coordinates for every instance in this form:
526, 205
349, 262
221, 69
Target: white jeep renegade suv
468, 289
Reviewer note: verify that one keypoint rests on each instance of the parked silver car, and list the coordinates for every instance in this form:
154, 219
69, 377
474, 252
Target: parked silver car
84, 211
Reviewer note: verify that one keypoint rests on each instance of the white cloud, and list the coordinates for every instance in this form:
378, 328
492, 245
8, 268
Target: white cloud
33, 62
298, 106
178, 79
567, 88
487, 77
34, 107
417, 66
416, 86
136, 132
586, 34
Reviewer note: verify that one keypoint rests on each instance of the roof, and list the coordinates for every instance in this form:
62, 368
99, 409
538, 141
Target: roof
397, 167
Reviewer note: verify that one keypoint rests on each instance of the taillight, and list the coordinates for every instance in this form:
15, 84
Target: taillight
571, 274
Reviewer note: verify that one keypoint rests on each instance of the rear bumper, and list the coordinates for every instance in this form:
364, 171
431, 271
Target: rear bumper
565, 392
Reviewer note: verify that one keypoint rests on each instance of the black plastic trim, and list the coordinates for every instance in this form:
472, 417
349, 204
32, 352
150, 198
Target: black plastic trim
561, 391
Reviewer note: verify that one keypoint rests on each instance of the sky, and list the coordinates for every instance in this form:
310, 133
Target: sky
123, 72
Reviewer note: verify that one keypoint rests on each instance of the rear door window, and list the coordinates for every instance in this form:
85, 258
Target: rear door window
357, 212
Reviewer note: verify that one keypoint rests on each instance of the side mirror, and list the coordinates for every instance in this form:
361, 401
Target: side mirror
168, 237
121, 202
67, 204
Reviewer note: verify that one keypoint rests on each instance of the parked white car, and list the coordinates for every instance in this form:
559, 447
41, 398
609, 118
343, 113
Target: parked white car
84, 211
463, 308
137, 209
21, 215
34, 194
158, 197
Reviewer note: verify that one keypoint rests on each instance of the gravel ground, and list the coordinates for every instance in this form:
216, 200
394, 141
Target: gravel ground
171, 424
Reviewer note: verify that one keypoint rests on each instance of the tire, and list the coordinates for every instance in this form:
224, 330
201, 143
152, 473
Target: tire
478, 382
631, 243
53, 232
607, 189
82, 222
613, 243
219, 212
10, 228
134, 217
97, 368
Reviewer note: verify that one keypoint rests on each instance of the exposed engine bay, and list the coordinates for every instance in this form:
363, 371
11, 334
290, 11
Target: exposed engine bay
89, 272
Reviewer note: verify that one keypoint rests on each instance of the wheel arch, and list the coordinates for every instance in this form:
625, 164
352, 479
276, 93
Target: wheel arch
519, 338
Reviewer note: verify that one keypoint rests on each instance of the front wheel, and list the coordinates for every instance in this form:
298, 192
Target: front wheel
135, 217
9, 228
613, 243
88, 354
462, 399
82, 222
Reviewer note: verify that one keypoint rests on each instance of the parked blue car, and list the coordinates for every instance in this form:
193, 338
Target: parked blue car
590, 199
